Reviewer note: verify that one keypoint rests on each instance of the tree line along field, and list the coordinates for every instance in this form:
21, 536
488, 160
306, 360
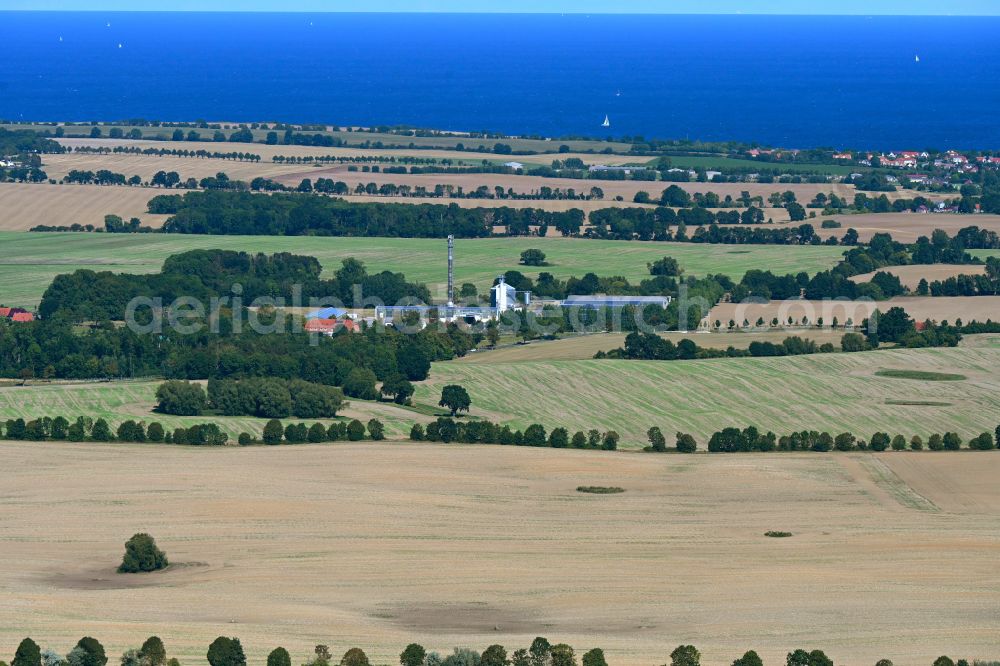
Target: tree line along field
31, 261
267, 152
120, 401
377, 546
583, 347
831, 392
431, 145
158, 135
57, 166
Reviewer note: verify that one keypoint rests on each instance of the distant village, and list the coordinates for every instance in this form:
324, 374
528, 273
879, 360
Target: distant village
943, 167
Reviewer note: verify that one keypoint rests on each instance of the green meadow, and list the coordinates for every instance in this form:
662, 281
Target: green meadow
30, 260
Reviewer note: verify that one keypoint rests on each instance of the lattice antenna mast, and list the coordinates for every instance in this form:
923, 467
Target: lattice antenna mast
451, 271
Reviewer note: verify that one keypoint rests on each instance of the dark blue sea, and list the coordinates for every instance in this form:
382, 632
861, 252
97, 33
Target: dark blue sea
793, 81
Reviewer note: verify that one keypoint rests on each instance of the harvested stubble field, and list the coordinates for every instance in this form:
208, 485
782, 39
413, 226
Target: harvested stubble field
292, 174
834, 392
145, 166
906, 227
940, 308
381, 545
910, 276
135, 400
31, 260
585, 346
529, 184
23, 205
155, 136
267, 153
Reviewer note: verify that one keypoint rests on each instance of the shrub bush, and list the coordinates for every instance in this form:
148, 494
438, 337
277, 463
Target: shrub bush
141, 555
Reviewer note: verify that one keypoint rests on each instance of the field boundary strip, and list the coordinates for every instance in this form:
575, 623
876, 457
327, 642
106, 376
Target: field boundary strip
888, 480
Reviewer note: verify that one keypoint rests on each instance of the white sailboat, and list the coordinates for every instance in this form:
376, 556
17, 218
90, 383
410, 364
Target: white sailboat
607, 121
916, 58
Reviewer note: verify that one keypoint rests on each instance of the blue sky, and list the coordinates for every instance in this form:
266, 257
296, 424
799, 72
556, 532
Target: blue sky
859, 7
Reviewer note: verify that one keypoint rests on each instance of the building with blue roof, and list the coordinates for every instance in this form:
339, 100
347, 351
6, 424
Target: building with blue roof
327, 313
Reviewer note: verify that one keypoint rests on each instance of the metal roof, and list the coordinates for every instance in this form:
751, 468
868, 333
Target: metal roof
614, 301
327, 313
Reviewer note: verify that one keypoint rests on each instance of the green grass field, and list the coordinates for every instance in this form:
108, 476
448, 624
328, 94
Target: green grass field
31, 260
984, 254
835, 392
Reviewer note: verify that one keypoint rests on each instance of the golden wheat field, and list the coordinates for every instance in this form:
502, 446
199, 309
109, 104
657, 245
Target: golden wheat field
379, 545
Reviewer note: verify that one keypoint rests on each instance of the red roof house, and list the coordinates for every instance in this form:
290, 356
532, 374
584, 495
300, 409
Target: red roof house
5, 312
330, 326
22, 317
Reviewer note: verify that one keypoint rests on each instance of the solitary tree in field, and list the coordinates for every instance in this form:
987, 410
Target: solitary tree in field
141, 554
455, 398
533, 257
666, 266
